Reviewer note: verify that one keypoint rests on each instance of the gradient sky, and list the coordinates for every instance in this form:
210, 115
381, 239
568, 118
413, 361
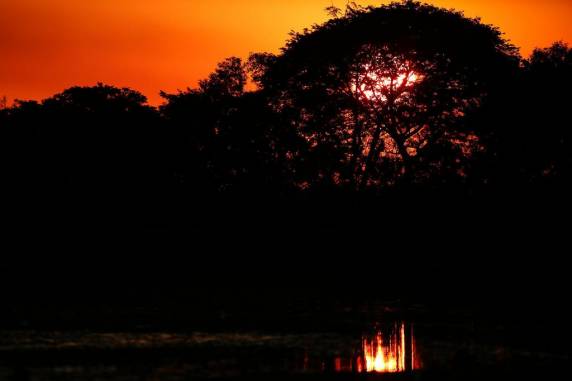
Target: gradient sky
152, 45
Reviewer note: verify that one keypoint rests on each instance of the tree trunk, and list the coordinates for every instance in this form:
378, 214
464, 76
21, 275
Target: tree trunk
407, 164
371, 157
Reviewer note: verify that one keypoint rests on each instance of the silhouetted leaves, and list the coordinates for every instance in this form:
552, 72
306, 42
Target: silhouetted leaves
227, 140
349, 85
377, 101
538, 140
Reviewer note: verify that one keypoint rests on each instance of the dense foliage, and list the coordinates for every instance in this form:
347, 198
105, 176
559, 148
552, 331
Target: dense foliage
405, 97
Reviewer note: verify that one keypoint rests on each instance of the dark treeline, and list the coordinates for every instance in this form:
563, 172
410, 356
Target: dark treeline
401, 107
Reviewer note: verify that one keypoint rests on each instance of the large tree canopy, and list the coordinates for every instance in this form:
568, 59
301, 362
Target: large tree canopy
393, 103
381, 94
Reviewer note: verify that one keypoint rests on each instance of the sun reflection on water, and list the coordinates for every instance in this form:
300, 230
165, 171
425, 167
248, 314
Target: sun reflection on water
389, 350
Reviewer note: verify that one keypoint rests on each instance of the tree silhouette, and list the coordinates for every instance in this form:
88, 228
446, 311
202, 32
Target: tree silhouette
96, 145
375, 105
537, 140
228, 80
381, 94
226, 139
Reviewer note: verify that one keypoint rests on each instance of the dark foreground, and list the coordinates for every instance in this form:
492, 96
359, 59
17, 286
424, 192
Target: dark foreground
283, 344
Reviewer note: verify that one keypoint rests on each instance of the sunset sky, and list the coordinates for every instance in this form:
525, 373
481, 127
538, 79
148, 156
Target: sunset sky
153, 45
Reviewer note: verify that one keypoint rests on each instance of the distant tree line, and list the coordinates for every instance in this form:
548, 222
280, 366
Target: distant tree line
377, 102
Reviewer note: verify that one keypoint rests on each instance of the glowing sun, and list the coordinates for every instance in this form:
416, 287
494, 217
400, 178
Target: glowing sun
374, 84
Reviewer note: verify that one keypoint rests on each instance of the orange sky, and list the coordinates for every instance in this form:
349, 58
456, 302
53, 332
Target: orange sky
152, 45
